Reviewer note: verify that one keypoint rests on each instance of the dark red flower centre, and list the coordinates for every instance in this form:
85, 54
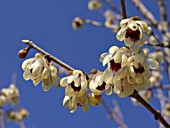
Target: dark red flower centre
114, 66
139, 70
76, 89
134, 35
102, 87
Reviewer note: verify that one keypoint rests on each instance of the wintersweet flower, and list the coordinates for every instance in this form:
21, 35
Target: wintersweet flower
52, 79
133, 32
101, 81
75, 84
36, 69
134, 76
116, 58
12, 94
74, 101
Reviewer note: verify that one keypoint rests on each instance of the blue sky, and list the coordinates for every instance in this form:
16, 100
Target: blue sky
49, 24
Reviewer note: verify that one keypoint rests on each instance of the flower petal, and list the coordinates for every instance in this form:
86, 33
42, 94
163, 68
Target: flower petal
153, 64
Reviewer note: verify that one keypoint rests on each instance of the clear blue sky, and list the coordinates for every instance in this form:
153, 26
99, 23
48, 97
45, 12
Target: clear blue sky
49, 24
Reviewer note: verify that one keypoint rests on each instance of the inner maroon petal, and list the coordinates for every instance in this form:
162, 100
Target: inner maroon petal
76, 89
114, 66
134, 35
102, 87
139, 70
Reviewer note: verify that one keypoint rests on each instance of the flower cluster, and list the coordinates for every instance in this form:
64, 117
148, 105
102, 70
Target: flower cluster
75, 91
39, 69
134, 33
128, 68
9, 95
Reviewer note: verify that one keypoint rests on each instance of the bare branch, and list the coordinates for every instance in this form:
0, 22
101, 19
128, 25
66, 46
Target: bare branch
113, 115
2, 120
54, 59
145, 12
123, 9
156, 113
112, 6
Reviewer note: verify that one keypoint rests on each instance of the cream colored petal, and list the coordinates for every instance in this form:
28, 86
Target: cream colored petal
66, 101
103, 56
153, 64
109, 90
26, 74
45, 73
98, 80
124, 61
113, 49
130, 79
133, 26
128, 42
70, 78
64, 82
106, 59
121, 34
84, 84
118, 57
124, 22
69, 91
106, 74
36, 81
134, 48
126, 89
26, 63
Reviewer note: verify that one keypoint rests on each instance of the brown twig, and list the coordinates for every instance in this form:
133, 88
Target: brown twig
145, 12
2, 120
99, 24
54, 59
112, 6
113, 115
156, 113
162, 10
123, 9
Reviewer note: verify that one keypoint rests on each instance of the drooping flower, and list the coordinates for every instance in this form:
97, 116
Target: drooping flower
36, 69
101, 81
39, 69
133, 32
134, 76
12, 94
52, 79
72, 102
116, 58
94, 4
75, 84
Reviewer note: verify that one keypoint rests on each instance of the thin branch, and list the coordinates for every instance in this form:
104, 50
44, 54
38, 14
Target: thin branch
22, 125
113, 115
163, 10
99, 24
135, 95
156, 113
145, 12
165, 87
54, 59
123, 9
2, 118
112, 6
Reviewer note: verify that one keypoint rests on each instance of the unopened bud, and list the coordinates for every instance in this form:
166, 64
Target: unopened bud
23, 112
77, 23
95, 99
23, 52
93, 71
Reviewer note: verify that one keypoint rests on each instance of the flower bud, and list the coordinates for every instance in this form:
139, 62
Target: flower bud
77, 23
23, 52
95, 99
3, 100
